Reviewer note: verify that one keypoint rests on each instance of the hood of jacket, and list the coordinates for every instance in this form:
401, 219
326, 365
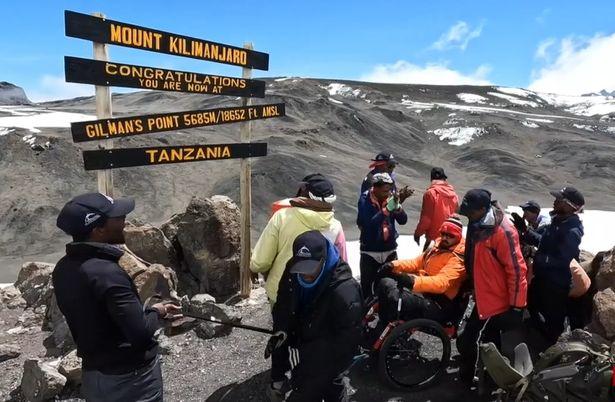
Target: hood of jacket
317, 220
443, 189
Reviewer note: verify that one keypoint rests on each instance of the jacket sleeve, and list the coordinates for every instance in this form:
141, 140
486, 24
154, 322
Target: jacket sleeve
448, 277
567, 251
266, 248
400, 216
532, 237
125, 308
340, 244
410, 266
427, 210
328, 356
508, 253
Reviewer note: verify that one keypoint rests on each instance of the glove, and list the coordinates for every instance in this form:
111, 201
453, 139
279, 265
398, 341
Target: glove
519, 222
385, 270
275, 341
392, 204
405, 281
404, 193
511, 318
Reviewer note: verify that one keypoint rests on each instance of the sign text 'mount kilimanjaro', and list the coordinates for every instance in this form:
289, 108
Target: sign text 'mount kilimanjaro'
127, 157
155, 123
106, 73
102, 30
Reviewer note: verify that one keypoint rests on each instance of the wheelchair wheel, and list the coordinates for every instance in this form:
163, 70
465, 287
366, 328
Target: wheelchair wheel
414, 355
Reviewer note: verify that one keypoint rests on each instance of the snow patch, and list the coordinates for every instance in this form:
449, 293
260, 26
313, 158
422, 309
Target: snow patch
42, 118
582, 105
459, 135
539, 120
336, 101
515, 91
530, 124
584, 127
410, 104
471, 98
282, 79
342, 90
29, 139
5, 131
513, 99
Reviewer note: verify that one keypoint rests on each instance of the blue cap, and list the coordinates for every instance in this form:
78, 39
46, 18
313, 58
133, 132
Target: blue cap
87, 211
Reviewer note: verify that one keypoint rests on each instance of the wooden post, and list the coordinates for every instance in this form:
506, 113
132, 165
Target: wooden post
103, 111
245, 191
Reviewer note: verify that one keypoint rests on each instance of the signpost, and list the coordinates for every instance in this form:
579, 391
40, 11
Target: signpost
104, 73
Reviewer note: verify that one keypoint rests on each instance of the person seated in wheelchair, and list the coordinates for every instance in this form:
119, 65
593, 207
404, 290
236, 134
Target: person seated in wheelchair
429, 283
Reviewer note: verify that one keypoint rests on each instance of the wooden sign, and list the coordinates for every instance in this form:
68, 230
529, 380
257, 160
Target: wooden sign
127, 157
103, 129
102, 30
106, 73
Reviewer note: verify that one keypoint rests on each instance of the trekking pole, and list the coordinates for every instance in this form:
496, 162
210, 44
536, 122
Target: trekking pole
229, 323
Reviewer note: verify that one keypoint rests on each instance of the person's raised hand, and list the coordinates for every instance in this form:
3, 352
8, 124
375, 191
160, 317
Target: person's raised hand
519, 222
404, 193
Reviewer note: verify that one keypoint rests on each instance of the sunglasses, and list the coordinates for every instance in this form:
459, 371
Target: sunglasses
449, 235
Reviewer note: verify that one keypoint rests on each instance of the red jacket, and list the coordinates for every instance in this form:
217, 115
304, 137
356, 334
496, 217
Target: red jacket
497, 266
439, 202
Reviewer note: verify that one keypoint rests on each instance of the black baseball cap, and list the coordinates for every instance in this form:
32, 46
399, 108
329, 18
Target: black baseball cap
87, 211
437, 173
475, 199
309, 253
319, 187
531, 206
385, 157
570, 194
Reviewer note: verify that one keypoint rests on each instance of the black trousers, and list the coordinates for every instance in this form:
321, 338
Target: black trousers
548, 307
504, 334
369, 268
143, 385
413, 305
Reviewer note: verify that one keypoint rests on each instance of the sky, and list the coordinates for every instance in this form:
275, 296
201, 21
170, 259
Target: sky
563, 46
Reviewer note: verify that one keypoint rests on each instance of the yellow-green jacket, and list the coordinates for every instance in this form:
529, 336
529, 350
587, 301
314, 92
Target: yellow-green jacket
275, 246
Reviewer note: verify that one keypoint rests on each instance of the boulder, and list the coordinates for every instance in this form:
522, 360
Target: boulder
31, 317
10, 297
605, 277
34, 283
604, 313
155, 279
204, 305
70, 367
8, 351
60, 341
150, 244
585, 255
208, 234
40, 381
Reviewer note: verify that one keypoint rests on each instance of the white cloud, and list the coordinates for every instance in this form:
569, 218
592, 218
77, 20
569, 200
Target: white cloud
53, 87
433, 74
458, 36
580, 66
542, 50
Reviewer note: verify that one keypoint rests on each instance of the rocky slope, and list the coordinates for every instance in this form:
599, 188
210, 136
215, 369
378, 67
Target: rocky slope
11, 94
514, 142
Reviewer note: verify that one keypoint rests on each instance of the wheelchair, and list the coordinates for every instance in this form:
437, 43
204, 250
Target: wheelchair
411, 355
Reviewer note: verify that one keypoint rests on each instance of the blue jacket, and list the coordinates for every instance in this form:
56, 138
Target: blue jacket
372, 221
559, 244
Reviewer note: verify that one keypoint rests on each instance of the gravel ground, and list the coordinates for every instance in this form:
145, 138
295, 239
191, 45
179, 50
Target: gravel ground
230, 368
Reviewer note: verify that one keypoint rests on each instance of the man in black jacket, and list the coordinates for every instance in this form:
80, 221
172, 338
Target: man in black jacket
558, 245
113, 332
320, 307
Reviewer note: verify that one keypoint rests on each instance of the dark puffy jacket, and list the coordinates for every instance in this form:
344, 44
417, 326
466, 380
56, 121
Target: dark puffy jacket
103, 311
327, 331
377, 225
559, 244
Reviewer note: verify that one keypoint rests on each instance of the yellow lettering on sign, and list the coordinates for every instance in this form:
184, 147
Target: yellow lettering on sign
164, 156
173, 44
176, 154
152, 155
226, 152
200, 154
110, 68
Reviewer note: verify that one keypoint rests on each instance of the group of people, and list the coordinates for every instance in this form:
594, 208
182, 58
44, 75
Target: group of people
519, 271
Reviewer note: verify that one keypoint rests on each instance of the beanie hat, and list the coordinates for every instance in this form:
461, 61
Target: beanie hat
452, 225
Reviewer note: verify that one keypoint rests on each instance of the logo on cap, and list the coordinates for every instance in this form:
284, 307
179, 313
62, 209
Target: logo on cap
111, 200
304, 252
91, 218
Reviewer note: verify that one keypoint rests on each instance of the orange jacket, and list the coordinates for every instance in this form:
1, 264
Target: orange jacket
499, 270
438, 271
439, 202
